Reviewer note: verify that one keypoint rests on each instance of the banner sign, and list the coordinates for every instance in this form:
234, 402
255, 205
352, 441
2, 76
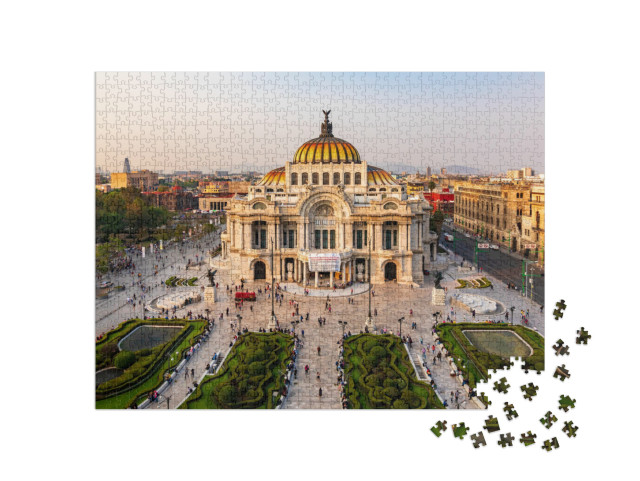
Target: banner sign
324, 262
529, 246
143, 249
483, 246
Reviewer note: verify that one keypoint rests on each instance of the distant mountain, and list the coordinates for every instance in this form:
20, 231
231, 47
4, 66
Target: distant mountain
422, 169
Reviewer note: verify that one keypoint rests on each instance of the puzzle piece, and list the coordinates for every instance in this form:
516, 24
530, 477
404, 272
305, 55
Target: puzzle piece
569, 429
548, 419
566, 403
526, 366
459, 431
558, 312
551, 444
506, 440
511, 412
530, 390
439, 428
478, 439
583, 336
562, 372
501, 386
560, 348
484, 399
528, 439
491, 424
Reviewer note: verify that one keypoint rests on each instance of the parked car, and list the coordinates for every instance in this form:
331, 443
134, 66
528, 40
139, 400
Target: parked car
494, 247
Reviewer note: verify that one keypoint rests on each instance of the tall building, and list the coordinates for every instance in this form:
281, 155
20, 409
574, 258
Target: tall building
443, 171
127, 167
533, 223
494, 211
143, 180
428, 173
321, 213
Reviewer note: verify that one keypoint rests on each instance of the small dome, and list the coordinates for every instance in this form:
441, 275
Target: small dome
376, 176
326, 148
275, 177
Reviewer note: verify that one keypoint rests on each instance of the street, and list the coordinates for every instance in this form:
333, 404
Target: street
498, 263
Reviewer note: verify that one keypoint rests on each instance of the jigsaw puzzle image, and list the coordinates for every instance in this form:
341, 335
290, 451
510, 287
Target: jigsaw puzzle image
322, 241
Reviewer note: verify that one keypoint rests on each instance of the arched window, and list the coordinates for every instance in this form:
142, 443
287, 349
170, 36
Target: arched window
294, 178
325, 178
357, 178
305, 178
336, 178
347, 178
315, 178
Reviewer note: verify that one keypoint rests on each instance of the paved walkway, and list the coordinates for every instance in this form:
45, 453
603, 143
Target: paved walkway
391, 302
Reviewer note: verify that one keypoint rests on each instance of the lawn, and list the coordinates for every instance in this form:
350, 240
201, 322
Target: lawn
249, 376
380, 376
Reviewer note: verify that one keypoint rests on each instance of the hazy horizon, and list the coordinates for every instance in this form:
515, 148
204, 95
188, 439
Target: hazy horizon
490, 122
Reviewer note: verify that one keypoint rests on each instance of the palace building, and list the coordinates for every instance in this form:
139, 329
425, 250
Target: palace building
327, 218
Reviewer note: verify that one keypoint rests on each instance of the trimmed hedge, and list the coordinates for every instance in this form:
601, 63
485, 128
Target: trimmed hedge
147, 367
477, 362
380, 375
249, 375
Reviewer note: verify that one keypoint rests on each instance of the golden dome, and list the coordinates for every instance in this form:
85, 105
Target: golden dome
376, 176
326, 148
275, 177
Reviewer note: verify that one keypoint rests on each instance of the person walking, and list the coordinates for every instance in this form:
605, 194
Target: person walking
318, 350
320, 392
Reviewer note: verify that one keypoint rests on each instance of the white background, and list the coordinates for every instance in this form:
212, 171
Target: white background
50, 53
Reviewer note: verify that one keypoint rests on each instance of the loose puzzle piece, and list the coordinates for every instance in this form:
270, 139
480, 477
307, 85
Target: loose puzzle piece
528, 439
506, 439
551, 444
491, 424
484, 399
562, 372
501, 386
459, 431
478, 439
439, 428
511, 412
548, 419
558, 312
530, 390
583, 336
569, 429
560, 348
526, 366
566, 403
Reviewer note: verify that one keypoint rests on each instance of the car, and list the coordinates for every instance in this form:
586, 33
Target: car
106, 284
466, 235
494, 247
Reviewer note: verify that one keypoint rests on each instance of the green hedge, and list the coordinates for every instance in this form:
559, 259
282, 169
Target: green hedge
381, 376
253, 370
147, 372
477, 363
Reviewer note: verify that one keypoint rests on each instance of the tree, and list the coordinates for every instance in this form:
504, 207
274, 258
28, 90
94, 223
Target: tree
432, 185
435, 223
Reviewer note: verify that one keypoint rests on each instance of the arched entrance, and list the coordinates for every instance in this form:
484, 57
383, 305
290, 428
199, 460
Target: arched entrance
259, 271
390, 273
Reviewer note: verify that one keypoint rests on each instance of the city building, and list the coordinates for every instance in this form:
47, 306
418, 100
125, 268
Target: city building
215, 202
324, 214
175, 200
144, 180
442, 200
494, 211
217, 187
239, 187
428, 172
222, 173
104, 188
533, 223
415, 188
127, 167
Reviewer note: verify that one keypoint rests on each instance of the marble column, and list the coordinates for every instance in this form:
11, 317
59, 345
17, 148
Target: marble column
331, 276
304, 274
344, 271
316, 279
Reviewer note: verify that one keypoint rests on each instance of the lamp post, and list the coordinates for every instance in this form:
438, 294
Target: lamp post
273, 322
512, 310
343, 324
239, 319
400, 322
369, 322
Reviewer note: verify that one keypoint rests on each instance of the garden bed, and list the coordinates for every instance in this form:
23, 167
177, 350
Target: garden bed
380, 375
252, 372
475, 362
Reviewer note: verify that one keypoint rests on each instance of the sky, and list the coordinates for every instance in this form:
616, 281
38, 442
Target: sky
166, 121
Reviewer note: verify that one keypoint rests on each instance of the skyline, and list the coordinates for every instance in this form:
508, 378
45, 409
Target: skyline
491, 122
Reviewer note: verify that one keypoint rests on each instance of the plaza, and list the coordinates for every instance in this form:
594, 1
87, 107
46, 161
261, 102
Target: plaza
390, 301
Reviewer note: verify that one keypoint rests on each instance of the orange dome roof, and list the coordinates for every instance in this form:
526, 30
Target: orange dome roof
275, 177
376, 176
326, 148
